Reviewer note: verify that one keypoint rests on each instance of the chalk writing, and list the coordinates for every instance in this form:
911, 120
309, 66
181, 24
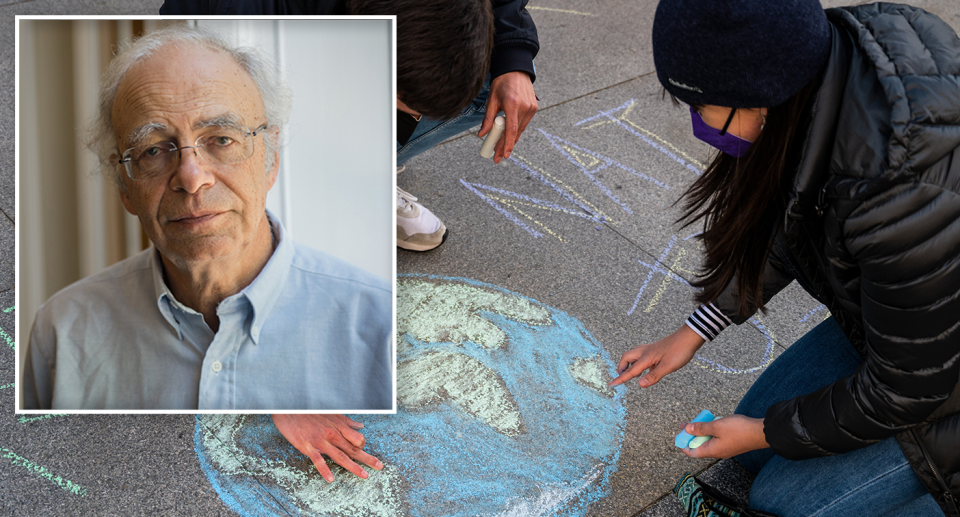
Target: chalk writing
492, 202
19, 461
25, 419
41, 472
656, 268
646, 136
670, 274
765, 360
559, 187
3, 334
815, 310
496, 198
516, 207
518, 202
590, 163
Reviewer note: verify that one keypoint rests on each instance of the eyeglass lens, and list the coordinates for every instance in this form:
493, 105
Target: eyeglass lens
226, 146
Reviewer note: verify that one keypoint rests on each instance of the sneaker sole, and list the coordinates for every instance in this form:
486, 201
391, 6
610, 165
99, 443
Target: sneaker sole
419, 247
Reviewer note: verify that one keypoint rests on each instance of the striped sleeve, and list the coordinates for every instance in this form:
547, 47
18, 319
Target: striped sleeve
708, 321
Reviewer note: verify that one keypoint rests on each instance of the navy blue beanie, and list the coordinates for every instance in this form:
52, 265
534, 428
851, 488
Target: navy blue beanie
739, 53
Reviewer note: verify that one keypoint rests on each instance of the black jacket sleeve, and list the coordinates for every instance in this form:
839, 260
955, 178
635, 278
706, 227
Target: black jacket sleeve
515, 43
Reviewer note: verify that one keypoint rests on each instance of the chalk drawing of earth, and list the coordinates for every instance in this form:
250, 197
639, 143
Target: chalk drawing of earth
503, 409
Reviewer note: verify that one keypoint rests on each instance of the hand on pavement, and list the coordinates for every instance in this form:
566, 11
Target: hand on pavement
663, 357
512, 93
334, 436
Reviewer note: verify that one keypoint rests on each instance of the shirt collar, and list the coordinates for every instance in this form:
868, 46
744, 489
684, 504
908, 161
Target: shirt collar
265, 290
164, 297
262, 293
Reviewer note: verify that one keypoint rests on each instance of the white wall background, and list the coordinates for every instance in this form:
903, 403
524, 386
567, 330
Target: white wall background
335, 191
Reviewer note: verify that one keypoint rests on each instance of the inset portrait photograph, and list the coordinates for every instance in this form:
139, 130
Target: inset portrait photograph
205, 213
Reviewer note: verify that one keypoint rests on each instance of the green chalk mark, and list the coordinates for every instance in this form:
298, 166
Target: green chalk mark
448, 313
378, 495
39, 471
6, 337
590, 373
25, 419
5, 386
463, 381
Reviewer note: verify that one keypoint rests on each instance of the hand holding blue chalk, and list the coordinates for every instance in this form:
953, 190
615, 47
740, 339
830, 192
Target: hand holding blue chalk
685, 439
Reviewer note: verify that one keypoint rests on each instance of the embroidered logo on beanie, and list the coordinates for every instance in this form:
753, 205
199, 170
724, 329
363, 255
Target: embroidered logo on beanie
684, 86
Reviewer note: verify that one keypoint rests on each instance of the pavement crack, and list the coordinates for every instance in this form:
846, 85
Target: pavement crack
594, 92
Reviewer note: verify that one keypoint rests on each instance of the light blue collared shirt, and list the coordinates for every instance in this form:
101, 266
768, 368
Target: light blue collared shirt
310, 332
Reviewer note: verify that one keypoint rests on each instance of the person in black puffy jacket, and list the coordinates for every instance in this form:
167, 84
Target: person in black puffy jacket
840, 169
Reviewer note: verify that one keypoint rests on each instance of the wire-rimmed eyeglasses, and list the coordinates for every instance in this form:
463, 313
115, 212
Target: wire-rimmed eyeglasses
225, 146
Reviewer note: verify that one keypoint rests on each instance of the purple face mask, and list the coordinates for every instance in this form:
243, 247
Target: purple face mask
725, 142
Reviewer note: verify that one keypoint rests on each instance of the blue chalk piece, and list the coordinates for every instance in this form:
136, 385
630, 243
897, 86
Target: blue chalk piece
685, 439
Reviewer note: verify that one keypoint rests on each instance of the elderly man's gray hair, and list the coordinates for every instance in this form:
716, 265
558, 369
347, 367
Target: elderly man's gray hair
275, 95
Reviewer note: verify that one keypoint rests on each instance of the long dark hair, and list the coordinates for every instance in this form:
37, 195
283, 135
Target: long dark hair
742, 201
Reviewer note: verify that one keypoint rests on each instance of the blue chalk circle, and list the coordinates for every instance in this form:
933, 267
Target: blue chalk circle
685, 439
503, 409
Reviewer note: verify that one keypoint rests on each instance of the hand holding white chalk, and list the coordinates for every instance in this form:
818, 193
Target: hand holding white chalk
490, 141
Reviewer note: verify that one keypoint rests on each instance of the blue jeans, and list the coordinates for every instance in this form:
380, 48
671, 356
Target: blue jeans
430, 132
874, 480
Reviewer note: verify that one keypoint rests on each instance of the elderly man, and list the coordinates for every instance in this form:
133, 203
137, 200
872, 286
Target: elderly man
224, 311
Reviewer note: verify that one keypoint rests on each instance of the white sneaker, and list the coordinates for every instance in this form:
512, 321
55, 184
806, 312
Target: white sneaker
417, 228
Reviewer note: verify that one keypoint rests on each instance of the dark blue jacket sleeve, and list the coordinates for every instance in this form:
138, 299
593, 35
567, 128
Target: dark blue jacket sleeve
515, 43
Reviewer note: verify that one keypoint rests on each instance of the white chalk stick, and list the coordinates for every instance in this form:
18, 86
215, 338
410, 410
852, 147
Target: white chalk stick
490, 141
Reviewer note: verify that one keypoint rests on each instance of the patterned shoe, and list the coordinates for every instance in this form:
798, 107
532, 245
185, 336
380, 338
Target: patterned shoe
417, 228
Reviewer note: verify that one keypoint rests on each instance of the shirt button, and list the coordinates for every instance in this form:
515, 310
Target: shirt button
255, 330
216, 366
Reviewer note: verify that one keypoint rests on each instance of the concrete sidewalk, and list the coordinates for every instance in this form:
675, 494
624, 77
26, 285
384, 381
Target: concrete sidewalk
558, 261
